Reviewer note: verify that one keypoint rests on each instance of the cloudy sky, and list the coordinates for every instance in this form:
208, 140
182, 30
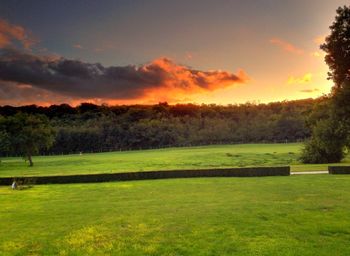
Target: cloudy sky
126, 52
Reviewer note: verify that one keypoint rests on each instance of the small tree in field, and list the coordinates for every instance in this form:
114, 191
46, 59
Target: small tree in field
28, 134
4, 138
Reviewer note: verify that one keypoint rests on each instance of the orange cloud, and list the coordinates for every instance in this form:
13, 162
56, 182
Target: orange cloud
10, 33
184, 79
179, 82
288, 47
300, 80
310, 90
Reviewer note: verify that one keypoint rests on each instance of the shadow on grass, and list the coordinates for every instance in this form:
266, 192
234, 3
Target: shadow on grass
25, 187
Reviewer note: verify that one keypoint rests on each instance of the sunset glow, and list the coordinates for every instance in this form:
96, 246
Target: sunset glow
221, 52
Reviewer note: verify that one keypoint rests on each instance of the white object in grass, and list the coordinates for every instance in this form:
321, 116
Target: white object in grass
14, 185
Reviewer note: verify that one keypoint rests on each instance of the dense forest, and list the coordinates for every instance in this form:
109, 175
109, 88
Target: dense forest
93, 128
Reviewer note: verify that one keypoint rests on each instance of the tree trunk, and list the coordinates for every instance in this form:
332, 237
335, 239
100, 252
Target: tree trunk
30, 160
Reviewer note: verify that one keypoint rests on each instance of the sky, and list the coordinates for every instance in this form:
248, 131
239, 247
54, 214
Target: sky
145, 52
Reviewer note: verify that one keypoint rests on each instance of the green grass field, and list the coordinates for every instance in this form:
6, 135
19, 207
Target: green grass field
218, 156
297, 215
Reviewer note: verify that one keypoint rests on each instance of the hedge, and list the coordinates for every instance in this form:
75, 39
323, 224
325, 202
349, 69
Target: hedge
87, 178
339, 169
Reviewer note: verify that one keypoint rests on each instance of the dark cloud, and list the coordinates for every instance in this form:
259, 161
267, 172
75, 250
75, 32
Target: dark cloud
75, 78
22, 94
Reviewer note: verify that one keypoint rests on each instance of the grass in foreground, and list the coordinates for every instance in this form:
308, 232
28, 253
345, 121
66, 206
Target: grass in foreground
303, 215
218, 156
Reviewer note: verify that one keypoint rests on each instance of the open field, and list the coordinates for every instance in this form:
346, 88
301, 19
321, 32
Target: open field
243, 155
298, 215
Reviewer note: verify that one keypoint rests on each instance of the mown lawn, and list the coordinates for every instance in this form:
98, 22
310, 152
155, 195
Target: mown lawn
297, 215
218, 156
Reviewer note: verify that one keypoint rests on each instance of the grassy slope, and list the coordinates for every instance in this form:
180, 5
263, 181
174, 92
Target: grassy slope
296, 215
163, 159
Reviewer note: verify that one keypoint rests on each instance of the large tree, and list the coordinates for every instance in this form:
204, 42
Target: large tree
337, 47
27, 134
330, 136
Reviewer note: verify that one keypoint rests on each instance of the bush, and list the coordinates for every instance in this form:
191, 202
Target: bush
339, 169
326, 144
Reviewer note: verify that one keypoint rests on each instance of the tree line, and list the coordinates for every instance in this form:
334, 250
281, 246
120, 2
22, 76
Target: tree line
93, 128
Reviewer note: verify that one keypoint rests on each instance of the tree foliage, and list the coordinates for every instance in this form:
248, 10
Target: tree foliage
332, 134
326, 144
341, 102
27, 134
4, 136
337, 47
92, 128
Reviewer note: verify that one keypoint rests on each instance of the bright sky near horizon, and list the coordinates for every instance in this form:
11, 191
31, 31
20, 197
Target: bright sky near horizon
198, 51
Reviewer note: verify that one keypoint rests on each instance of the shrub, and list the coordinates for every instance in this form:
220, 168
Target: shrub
104, 177
339, 169
326, 144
